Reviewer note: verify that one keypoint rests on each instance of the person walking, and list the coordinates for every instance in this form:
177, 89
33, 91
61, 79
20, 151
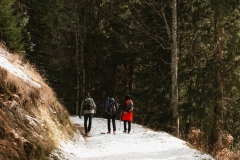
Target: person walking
88, 109
127, 113
111, 109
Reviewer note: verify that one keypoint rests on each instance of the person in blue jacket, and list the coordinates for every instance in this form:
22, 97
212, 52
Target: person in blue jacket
111, 108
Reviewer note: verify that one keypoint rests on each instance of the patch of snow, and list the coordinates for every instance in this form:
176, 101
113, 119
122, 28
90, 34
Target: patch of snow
141, 144
31, 120
16, 70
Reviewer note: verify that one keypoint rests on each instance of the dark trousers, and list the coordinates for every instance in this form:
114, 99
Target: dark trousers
125, 126
86, 118
113, 118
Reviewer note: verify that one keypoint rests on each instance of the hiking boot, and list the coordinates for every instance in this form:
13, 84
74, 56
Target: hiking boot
114, 132
108, 132
124, 131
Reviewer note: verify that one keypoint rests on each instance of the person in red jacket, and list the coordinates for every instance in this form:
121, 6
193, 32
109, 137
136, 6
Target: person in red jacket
127, 113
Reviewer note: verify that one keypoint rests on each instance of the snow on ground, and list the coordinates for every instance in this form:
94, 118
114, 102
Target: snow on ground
18, 70
140, 144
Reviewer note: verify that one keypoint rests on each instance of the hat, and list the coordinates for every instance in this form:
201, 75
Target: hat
87, 94
111, 95
127, 96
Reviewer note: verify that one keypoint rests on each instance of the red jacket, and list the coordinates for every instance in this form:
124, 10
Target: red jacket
127, 114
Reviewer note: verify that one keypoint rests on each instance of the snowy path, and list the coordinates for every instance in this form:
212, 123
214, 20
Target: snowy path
142, 144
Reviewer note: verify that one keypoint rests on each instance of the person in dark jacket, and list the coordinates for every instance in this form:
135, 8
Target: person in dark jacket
127, 113
87, 112
111, 113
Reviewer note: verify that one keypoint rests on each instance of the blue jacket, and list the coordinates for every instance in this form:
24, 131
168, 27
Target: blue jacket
107, 105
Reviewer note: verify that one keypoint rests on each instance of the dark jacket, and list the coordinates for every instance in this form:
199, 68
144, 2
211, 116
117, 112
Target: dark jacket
107, 105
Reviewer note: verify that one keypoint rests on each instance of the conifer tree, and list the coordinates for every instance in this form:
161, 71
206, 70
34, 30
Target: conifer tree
12, 26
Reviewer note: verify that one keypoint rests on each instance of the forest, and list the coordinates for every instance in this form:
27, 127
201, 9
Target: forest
179, 60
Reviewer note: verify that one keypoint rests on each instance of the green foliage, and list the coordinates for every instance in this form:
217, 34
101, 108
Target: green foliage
198, 65
12, 25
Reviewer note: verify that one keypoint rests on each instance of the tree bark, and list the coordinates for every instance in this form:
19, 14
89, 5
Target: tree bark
216, 135
81, 37
82, 41
174, 70
131, 72
78, 74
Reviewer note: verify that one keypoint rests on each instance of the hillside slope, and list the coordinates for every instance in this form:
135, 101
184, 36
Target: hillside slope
33, 122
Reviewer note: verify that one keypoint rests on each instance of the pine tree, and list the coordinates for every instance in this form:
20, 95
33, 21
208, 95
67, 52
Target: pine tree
12, 26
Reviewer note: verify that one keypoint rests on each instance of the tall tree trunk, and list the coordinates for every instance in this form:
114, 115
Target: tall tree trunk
174, 70
131, 71
216, 138
82, 41
80, 37
78, 73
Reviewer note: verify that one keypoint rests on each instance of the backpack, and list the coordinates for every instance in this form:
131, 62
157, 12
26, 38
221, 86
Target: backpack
88, 104
112, 107
129, 107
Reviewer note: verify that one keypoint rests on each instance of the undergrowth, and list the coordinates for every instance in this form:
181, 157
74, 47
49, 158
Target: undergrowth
221, 151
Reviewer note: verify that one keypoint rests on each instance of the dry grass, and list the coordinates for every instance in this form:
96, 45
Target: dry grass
194, 138
221, 150
226, 154
223, 153
33, 122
